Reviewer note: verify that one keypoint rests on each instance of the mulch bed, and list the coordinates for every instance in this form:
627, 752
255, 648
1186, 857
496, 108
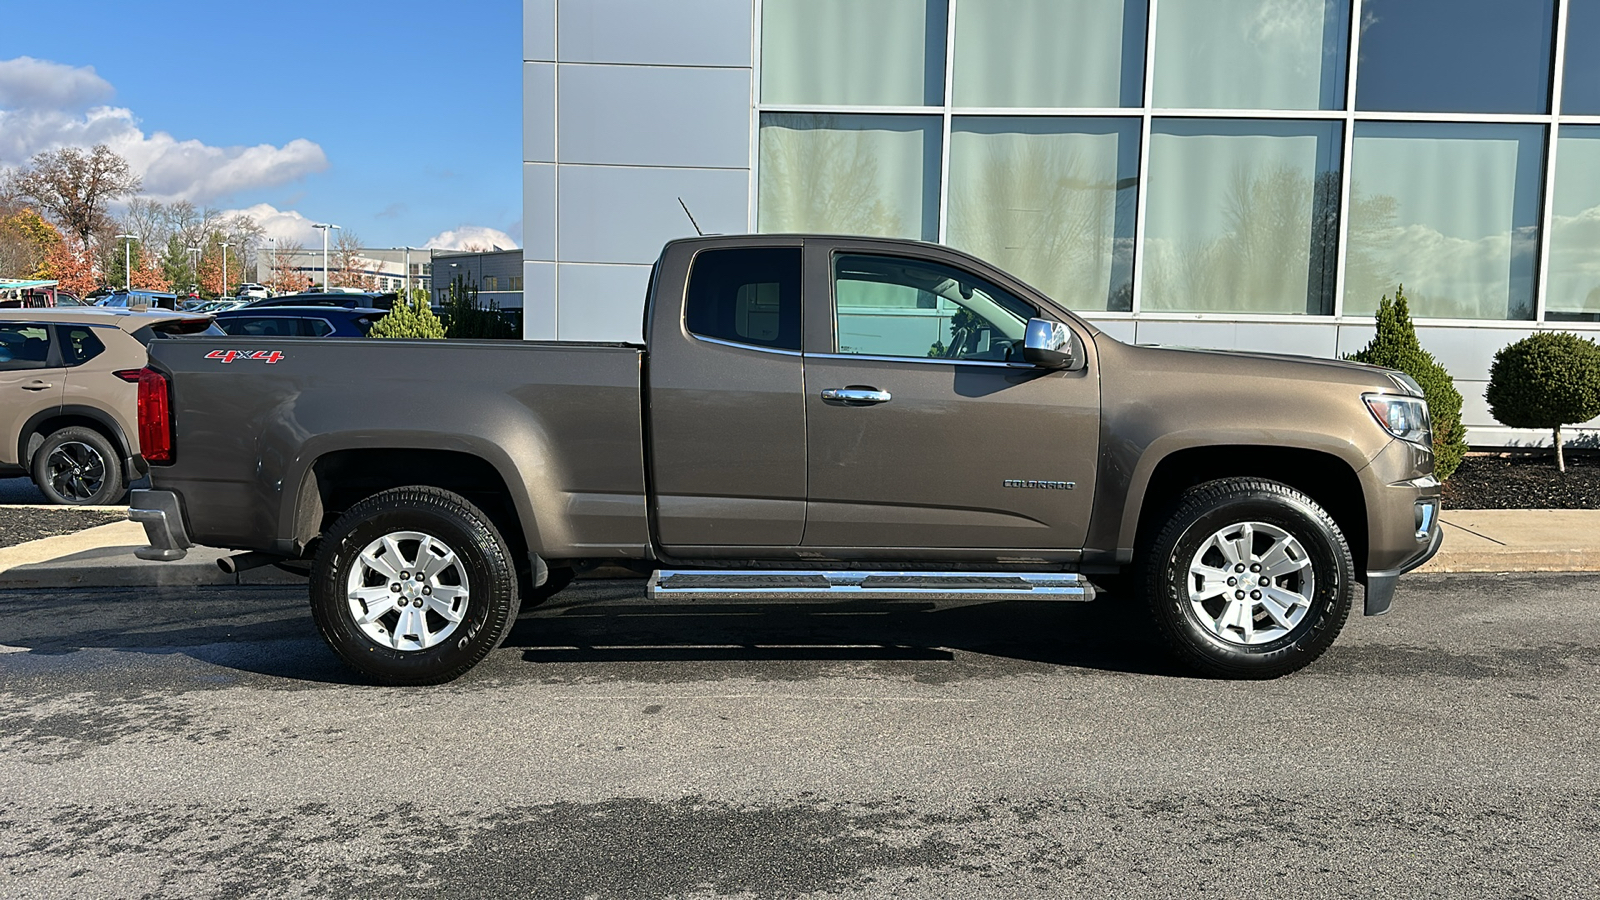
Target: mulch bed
18, 525
1524, 481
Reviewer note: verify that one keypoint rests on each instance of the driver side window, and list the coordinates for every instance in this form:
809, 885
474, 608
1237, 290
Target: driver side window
894, 306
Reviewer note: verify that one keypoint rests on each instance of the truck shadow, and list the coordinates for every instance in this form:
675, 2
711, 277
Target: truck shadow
609, 622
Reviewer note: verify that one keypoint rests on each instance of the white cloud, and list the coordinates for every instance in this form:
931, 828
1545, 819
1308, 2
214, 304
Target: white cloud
474, 235
28, 83
285, 226
34, 119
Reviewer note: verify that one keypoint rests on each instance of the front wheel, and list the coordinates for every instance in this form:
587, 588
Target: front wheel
1248, 579
413, 586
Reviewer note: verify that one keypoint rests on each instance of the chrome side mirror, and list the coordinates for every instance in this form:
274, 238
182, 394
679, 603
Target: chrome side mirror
1047, 345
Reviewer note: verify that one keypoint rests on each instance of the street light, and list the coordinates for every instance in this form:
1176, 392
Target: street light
324, 226
224, 268
194, 267
127, 260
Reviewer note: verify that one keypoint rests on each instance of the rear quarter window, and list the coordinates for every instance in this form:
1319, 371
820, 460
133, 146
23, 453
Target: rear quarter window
746, 295
79, 344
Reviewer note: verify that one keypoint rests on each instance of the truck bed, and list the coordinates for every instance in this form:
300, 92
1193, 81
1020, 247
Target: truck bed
560, 423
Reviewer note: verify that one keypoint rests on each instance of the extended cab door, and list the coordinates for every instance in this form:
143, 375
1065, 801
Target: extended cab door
924, 428
726, 401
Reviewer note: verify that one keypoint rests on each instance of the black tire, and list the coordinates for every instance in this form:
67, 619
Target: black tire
486, 572
1210, 508
77, 466
555, 581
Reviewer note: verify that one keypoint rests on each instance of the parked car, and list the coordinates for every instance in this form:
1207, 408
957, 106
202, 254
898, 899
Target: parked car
299, 321
68, 383
346, 298
252, 291
819, 416
140, 299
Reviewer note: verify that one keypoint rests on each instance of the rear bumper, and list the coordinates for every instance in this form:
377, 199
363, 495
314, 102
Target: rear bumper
161, 514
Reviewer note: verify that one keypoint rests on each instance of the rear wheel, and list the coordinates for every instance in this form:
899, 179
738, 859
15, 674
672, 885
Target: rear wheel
413, 586
77, 466
1248, 579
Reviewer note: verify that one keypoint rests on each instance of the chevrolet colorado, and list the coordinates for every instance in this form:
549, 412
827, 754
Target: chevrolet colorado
808, 415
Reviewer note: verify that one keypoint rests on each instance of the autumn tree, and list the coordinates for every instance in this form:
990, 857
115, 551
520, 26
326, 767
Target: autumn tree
76, 187
72, 265
284, 276
26, 240
349, 267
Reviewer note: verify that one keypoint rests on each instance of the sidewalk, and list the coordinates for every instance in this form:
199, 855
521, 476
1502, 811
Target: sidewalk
1488, 540
1519, 540
103, 557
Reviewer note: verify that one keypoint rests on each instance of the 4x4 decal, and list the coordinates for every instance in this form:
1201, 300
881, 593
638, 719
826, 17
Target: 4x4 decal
228, 356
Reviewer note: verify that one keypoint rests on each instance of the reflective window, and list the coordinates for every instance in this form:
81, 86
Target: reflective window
892, 306
79, 344
1449, 210
1247, 54
1242, 216
1455, 55
872, 175
1580, 88
747, 295
315, 328
1046, 53
1050, 201
24, 346
850, 53
1574, 289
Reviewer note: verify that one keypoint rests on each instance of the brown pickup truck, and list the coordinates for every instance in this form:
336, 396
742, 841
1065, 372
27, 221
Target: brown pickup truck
809, 415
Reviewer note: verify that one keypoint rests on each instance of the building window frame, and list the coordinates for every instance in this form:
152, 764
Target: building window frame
1551, 120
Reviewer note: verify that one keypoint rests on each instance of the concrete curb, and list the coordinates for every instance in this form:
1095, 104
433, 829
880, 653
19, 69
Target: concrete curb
103, 557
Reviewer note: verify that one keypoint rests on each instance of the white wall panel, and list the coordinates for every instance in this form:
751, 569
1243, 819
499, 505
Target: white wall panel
601, 303
621, 214
654, 116
651, 32
539, 30
539, 211
539, 301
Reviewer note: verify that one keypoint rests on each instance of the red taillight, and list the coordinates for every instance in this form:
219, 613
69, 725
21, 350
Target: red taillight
155, 417
131, 376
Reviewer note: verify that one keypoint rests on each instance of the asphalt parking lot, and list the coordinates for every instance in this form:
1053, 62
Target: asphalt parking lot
202, 742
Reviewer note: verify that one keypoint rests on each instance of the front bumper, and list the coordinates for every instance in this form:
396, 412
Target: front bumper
161, 514
1381, 584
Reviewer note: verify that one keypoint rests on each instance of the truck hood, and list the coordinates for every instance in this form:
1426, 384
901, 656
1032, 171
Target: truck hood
1204, 362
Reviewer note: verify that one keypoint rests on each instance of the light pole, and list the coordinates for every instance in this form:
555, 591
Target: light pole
127, 260
224, 268
408, 274
325, 227
195, 254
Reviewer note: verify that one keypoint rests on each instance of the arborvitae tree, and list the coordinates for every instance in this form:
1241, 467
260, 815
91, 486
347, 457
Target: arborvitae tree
1395, 346
466, 317
410, 318
1546, 380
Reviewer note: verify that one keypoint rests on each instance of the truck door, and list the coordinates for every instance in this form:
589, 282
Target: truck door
726, 398
924, 429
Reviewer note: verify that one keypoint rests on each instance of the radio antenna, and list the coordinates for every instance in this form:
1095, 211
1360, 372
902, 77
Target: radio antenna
691, 217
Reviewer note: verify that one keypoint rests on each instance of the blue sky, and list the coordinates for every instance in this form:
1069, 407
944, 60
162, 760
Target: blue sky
398, 120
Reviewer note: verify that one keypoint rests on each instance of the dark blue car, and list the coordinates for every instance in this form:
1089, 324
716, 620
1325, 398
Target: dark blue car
299, 321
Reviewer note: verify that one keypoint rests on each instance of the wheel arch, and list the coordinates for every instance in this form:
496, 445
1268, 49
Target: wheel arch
337, 479
1327, 478
46, 422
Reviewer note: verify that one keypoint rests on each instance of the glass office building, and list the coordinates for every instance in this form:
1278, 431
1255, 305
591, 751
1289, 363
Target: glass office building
1239, 174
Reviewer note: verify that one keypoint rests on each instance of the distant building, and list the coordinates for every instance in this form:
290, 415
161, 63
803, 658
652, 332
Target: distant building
386, 266
497, 273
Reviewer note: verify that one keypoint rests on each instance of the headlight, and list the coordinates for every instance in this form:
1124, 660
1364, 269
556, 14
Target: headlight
1404, 417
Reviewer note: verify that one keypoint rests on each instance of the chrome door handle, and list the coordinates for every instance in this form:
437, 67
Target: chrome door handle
856, 395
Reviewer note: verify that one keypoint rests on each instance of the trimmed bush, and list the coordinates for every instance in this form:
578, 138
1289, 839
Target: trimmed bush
1395, 346
411, 318
1546, 380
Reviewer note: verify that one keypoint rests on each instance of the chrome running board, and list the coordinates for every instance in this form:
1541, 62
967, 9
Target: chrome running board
761, 584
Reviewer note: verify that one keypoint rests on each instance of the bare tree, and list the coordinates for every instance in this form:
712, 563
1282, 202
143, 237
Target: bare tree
349, 266
75, 187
